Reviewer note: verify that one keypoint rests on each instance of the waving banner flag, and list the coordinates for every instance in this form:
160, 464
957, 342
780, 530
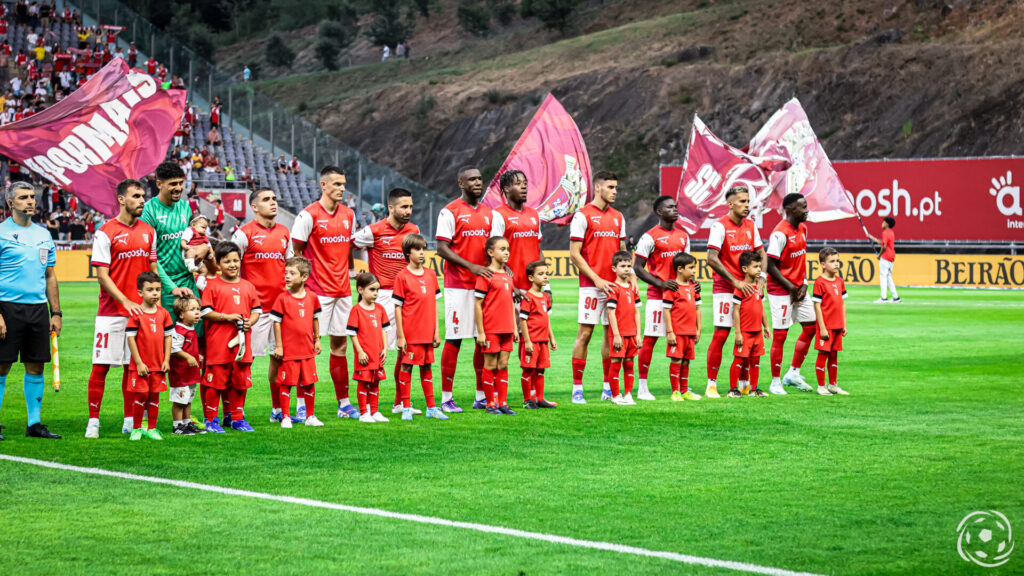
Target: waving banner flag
552, 155
712, 167
118, 125
788, 136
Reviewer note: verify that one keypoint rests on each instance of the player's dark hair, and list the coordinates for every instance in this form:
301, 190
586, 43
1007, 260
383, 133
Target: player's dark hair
661, 201
124, 185
890, 221
622, 256
791, 199
300, 264
181, 305
748, 257
222, 249
604, 175
532, 267
397, 193
255, 194
365, 280
491, 243
464, 169
329, 170
825, 252
169, 171
146, 277
510, 177
736, 190
682, 259
413, 242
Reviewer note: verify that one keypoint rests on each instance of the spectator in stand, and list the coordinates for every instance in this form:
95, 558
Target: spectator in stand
77, 230
55, 199
151, 66
52, 226
112, 38
294, 167
213, 137
211, 165
161, 73
46, 12
197, 159
205, 151
246, 74
282, 165
215, 116
21, 13
385, 53
119, 53
218, 225
193, 199
73, 203
83, 35
67, 16
33, 15
229, 174
400, 50
133, 54
5, 54
64, 225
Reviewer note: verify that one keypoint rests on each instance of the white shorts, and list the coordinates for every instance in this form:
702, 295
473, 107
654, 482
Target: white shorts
784, 313
459, 313
182, 394
385, 299
654, 318
263, 340
722, 310
592, 306
334, 315
109, 343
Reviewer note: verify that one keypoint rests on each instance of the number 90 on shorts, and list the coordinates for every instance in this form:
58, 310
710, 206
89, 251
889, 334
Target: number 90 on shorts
592, 306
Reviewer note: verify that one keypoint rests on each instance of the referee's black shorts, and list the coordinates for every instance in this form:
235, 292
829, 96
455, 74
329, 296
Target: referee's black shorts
28, 333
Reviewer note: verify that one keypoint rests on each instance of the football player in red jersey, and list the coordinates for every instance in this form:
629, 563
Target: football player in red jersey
265, 246
322, 233
787, 292
596, 233
122, 248
382, 241
520, 225
463, 227
730, 236
653, 264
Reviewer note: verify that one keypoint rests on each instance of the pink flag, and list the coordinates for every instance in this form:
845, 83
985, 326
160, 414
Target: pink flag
710, 169
118, 125
552, 155
788, 136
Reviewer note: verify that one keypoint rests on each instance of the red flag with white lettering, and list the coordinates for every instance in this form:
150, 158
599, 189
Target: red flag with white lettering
116, 126
710, 169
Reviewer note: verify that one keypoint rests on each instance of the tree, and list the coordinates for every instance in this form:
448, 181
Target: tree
502, 10
333, 36
277, 53
327, 53
474, 17
388, 27
555, 14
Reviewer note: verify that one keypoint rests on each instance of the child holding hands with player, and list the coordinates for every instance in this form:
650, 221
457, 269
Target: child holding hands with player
149, 340
496, 327
682, 326
296, 316
748, 316
185, 365
366, 324
538, 339
829, 298
415, 293
623, 319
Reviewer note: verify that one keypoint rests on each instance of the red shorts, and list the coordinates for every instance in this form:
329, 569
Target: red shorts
685, 348
628, 349
234, 375
297, 372
151, 383
541, 357
498, 343
367, 374
753, 345
418, 354
833, 344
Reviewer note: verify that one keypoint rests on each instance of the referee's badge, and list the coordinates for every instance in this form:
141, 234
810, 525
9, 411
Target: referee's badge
43, 253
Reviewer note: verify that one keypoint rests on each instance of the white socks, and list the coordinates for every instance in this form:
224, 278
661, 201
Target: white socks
445, 396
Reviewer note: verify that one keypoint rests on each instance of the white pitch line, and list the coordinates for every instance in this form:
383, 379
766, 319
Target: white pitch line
551, 538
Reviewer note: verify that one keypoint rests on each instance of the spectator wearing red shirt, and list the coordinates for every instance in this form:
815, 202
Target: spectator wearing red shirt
133, 55
151, 66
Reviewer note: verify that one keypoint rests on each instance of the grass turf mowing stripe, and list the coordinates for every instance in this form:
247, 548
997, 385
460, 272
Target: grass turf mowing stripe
550, 538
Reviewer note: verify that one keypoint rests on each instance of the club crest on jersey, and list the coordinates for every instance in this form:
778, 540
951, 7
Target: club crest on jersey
237, 299
423, 289
145, 237
533, 220
374, 322
302, 312
152, 325
209, 376
346, 224
284, 243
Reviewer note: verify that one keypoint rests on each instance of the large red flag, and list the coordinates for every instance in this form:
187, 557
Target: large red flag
552, 155
788, 136
711, 168
118, 125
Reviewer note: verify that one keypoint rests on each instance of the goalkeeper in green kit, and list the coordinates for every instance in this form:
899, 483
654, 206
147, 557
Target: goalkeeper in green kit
169, 216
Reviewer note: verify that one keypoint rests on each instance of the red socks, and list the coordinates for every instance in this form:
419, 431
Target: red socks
718, 338
284, 398
803, 345
478, 366
734, 371
138, 409
488, 386
403, 389
275, 395
236, 398
211, 402
449, 358
606, 365
754, 369
820, 367
362, 392
537, 379
684, 377
501, 384
97, 382
778, 342
628, 365
398, 373
339, 376
427, 381
309, 395
673, 375
578, 366
646, 353
833, 368
612, 376
525, 381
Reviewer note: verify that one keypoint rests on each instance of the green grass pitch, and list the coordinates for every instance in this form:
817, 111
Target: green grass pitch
873, 483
